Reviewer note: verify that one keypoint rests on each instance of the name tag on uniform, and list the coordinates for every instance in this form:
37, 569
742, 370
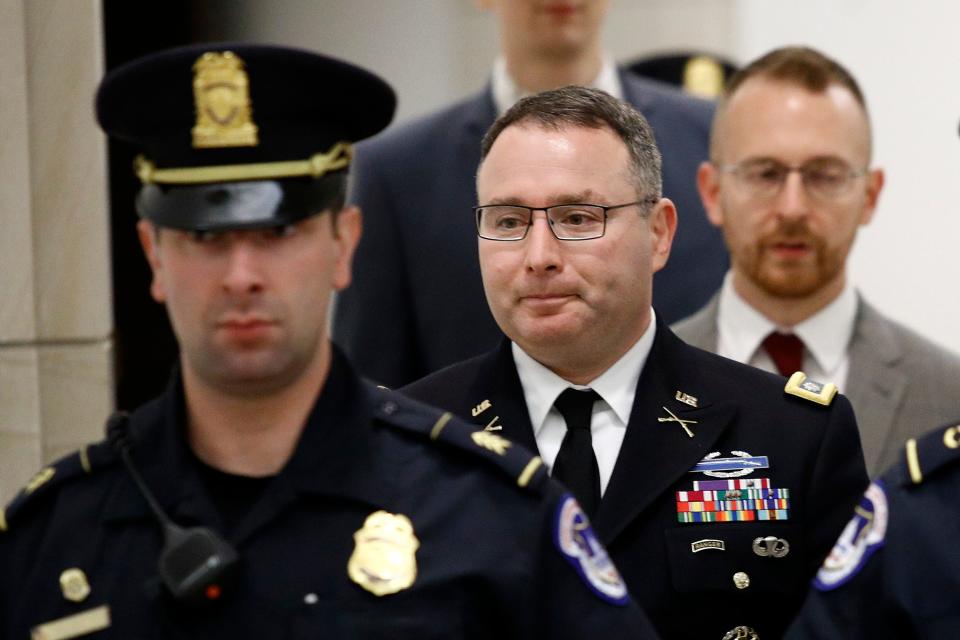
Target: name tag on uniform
79, 624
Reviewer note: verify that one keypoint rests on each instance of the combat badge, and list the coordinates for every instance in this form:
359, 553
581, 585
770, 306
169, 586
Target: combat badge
384, 558
741, 464
580, 546
860, 539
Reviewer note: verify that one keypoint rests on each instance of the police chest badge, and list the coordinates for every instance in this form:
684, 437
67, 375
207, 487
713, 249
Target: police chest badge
578, 543
861, 538
384, 556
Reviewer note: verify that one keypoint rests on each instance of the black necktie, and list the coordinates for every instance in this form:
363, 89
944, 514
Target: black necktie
576, 465
786, 351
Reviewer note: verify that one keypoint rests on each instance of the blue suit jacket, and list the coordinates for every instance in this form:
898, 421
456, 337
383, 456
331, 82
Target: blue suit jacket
417, 304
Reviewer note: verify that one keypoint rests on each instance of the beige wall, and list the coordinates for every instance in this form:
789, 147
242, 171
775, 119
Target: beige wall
56, 386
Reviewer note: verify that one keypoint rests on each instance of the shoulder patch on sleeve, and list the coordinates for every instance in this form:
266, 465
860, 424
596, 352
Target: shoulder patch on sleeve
67, 469
576, 540
526, 469
860, 539
799, 385
936, 450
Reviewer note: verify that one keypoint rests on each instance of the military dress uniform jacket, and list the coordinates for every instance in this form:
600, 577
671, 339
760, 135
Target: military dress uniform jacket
899, 383
895, 571
698, 579
482, 558
416, 186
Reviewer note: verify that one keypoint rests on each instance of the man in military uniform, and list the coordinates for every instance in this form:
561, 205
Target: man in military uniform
269, 492
717, 490
895, 572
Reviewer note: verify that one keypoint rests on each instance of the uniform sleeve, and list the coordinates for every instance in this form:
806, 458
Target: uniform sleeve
853, 596
372, 317
853, 611
577, 592
839, 479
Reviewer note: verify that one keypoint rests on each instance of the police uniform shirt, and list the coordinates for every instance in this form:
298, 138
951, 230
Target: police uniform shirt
459, 551
826, 334
616, 387
895, 570
506, 92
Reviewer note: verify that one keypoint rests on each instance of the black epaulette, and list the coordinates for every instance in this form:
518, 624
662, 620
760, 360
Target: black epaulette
79, 464
802, 387
931, 453
526, 469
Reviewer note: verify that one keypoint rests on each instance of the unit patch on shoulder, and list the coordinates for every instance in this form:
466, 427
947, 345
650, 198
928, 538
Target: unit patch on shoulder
580, 546
798, 385
860, 539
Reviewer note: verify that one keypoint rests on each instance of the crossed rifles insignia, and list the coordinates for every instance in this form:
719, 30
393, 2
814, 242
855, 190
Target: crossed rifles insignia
673, 418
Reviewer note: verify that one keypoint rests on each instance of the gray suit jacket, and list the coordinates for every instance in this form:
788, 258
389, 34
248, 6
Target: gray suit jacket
900, 384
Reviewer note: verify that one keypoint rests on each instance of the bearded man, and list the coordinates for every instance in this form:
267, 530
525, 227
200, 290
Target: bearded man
790, 183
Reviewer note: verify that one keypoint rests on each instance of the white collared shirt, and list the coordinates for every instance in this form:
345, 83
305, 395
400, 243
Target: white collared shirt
608, 425
506, 92
826, 335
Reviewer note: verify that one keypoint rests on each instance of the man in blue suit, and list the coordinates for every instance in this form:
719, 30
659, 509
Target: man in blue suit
417, 303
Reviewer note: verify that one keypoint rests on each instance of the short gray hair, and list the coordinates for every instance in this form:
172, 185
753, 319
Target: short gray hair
593, 109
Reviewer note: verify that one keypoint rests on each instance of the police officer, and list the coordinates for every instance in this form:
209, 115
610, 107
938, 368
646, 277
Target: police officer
269, 492
895, 571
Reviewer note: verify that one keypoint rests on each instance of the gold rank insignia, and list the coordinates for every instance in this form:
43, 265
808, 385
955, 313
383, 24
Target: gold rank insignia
39, 479
221, 93
798, 385
74, 585
491, 441
384, 558
703, 76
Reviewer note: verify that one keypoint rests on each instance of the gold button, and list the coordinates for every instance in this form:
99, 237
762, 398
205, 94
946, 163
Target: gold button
741, 633
73, 583
741, 580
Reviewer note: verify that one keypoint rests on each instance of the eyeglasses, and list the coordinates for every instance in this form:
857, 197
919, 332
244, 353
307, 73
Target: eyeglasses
509, 222
823, 179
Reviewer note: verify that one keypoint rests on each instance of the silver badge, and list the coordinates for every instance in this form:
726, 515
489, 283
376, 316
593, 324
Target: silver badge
771, 547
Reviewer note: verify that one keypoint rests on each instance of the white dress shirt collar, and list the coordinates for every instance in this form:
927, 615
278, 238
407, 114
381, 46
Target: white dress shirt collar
506, 92
826, 334
616, 386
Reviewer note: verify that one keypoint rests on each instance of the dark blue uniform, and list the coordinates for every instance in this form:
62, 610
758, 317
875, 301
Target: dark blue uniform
716, 531
479, 556
895, 571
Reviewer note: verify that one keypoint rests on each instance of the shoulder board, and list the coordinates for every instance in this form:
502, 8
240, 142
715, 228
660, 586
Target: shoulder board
798, 385
526, 469
76, 465
930, 453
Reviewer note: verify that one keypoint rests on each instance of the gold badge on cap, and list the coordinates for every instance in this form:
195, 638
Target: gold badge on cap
74, 584
384, 558
221, 93
703, 76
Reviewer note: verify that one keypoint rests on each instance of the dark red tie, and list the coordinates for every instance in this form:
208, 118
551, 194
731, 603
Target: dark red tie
786, 350
576, 464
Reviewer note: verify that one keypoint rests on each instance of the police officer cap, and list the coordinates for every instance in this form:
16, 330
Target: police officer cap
235, 135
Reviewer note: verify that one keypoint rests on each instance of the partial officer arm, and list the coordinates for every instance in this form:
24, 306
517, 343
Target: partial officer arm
577, 592
372, 318
838, 481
